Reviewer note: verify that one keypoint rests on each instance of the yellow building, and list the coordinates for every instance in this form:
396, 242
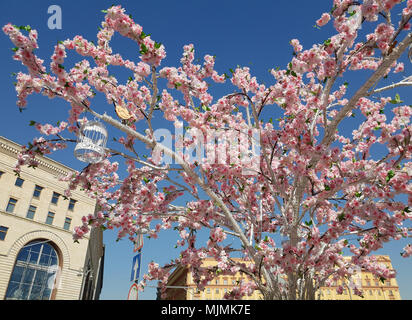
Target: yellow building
181, 286
38, 257
372, 287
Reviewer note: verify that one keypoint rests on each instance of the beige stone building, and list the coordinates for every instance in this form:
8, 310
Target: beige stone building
38, 258
181, 286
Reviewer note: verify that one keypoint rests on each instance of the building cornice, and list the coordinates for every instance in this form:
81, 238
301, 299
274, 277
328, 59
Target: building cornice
12, 148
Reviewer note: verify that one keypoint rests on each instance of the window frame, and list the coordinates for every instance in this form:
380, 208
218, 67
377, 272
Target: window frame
57, 198
29, 211
72, 203
36, 190
52, 215
11, 204
20, 185
3, 231
35, 265
69, 223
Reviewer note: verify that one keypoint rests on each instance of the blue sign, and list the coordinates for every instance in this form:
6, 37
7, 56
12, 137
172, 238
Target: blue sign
136, 267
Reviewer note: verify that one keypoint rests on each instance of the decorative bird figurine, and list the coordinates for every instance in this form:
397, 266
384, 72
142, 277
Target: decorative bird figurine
122, 112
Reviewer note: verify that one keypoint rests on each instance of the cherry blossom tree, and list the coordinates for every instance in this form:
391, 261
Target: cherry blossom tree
295, 205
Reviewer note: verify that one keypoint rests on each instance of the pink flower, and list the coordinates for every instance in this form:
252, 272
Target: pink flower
323, 20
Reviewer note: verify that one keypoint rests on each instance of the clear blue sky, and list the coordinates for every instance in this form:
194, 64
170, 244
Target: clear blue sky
245, 33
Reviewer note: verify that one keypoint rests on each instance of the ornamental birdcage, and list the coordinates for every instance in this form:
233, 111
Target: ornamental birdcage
91, 142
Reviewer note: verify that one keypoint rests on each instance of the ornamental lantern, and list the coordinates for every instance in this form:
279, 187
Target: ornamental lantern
91, 142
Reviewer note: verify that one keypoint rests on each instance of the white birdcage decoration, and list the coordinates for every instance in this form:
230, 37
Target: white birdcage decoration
91, 142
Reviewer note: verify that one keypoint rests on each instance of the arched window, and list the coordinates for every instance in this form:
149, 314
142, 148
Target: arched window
34, 273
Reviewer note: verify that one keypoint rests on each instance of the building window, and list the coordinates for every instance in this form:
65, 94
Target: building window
31, 212
217, 291
19, 182
37, 191
50, 217
208, 290
217, 281
11, 205
3, 232
67, 223
55, 198
34, 273
225, 282
71, 204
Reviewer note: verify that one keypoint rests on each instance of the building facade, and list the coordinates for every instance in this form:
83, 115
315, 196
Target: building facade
372, 287
182, 287
38, 258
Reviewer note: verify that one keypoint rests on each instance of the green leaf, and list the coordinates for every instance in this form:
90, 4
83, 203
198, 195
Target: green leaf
358, 194
341, 217
157, 45
390, 175
397, 99
309, 223
205, 108
143, 49
327, 42
327, 188
32, 123
146, 180
143, 35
